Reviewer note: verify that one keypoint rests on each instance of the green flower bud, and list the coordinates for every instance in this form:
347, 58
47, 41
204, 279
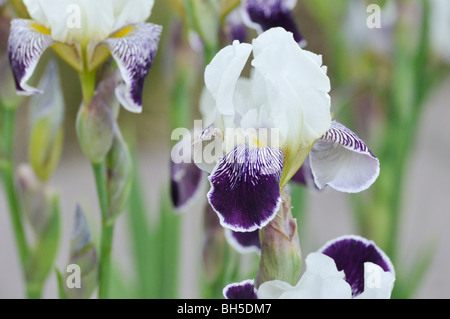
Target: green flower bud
41, 207
119, 171
46, 123
36, 198
280, 247
83, 261
95, 127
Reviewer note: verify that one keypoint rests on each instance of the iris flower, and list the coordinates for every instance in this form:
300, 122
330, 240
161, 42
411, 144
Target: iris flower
85, 33
263, 15
267, 125
344, 268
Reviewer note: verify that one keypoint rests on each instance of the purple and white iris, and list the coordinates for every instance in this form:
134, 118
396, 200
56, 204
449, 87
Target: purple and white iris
267, 124
344, 268
85, 33
263, 15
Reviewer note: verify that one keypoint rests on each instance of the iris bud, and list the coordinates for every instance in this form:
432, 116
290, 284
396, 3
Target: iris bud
95, 126
46, 123
83, 260
119, 170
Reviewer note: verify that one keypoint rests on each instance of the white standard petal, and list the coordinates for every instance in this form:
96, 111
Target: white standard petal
378, 284
296, 82
321, 280
273, 289
222, 74
86, 21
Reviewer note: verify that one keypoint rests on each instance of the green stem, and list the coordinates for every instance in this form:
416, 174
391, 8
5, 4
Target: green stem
107, 229
34, 290
88, 86
87, 80
7, 172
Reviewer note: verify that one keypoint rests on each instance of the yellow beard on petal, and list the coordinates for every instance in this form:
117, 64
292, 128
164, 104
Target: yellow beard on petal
39, 28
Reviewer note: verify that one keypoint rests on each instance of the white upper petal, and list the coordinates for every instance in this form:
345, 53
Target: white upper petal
73, 21
320, 280
222, 74
378, 284
296, 84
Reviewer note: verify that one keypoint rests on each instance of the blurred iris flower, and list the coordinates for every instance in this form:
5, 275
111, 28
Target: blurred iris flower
86, 33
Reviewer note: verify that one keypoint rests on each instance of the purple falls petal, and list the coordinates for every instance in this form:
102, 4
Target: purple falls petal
341, 160
134, 53
26, 44
270, 14
244, 242
245, 190
186, 179
236, 27
240, 290
350, 253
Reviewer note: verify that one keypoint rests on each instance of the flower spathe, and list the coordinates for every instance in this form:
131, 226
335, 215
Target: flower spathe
346, 267
85, 33
267, 123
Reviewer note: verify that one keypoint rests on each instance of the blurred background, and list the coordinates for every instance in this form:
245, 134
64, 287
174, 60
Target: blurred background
365, 66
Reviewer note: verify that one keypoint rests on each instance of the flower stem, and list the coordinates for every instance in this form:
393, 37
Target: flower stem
7, 173
87, 80
107, 229
88, 87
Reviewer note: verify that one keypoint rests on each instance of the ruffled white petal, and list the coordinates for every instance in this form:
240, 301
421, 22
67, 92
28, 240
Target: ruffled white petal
222, 74
273, 289
85, 21
321, 280
378, 284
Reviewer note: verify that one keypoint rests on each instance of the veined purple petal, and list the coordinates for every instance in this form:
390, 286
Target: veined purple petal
134, 47
350, 253
267, 14
240, 290
341, 160
245, 190
244, 242
186, 181
26, 44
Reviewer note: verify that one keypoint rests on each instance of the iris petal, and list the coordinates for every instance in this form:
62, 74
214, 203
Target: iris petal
351, 254
186, 182
245, 189
134, 47
27, 42
244, 242
341, 160
241, 290
263, 15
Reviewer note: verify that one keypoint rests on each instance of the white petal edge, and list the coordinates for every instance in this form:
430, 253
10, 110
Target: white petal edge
343, 162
